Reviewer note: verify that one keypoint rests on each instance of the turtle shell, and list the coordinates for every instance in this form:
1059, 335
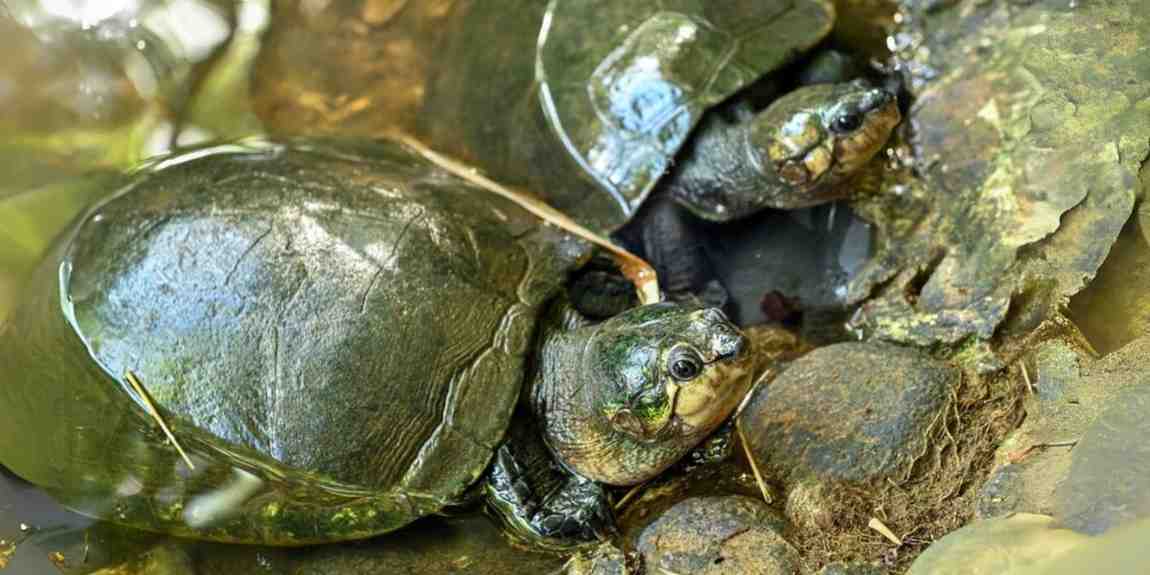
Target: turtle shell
584, 102
338, 342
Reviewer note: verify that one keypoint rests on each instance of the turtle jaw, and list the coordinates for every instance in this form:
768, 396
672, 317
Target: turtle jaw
854, 149
697, 407
702, 405
820, 135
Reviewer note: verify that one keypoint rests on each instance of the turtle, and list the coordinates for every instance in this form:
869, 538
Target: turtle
591, 104
290, 342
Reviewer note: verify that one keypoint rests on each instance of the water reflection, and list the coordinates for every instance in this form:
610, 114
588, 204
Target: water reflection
29, 221
52, 540
37, 525
93, 84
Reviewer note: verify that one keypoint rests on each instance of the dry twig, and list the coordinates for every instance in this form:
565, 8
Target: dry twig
630, 494
751, 459
147, 400
641, 274
1026, 377
883, 530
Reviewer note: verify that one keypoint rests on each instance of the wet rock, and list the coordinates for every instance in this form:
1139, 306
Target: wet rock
1118, 552
850, 569
1029, 123
1109, 480
1038, 457
774, 346
1006, 546
851, 412
713, 535
1004, 493
1057, 374
606, 559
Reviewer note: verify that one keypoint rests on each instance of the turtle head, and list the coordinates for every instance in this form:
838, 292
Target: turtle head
650, 384
819, 135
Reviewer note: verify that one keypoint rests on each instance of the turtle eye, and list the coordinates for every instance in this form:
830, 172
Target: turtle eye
685, 365
846, 122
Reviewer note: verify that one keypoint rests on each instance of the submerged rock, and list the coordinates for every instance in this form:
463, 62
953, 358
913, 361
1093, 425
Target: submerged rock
852, 412
170, 559
716, 535
1007, 546
1080, 454
606, 559
467, 545
1109, 480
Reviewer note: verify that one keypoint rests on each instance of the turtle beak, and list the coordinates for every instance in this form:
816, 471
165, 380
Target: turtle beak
876, 99
726, 341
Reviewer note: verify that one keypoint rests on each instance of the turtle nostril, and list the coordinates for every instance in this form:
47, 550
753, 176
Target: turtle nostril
730, 345
715, 315
876, 99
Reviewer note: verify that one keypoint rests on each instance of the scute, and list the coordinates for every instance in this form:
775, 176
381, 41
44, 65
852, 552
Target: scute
345, 331
582, 102
624, 97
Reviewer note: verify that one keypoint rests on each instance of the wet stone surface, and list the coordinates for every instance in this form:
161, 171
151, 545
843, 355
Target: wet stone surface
852, 412
1079, 454
1109, 480
1056, 375
169, 559
997, 547
604, 560
465, 545
1029, 126
714, 535
850, 569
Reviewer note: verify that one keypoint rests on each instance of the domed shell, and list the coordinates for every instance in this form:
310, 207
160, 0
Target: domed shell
338, 342
582, 102
623, 84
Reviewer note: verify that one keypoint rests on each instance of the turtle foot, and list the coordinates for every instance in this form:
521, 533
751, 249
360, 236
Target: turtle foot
543, 504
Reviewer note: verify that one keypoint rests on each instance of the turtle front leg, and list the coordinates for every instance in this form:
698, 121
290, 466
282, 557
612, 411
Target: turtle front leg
539, 501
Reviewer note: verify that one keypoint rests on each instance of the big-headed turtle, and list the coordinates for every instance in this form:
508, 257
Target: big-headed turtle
587, 103
337, 336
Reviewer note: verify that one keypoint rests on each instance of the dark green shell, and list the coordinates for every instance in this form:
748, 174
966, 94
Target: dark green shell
605, 92
339, 343
584, 102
